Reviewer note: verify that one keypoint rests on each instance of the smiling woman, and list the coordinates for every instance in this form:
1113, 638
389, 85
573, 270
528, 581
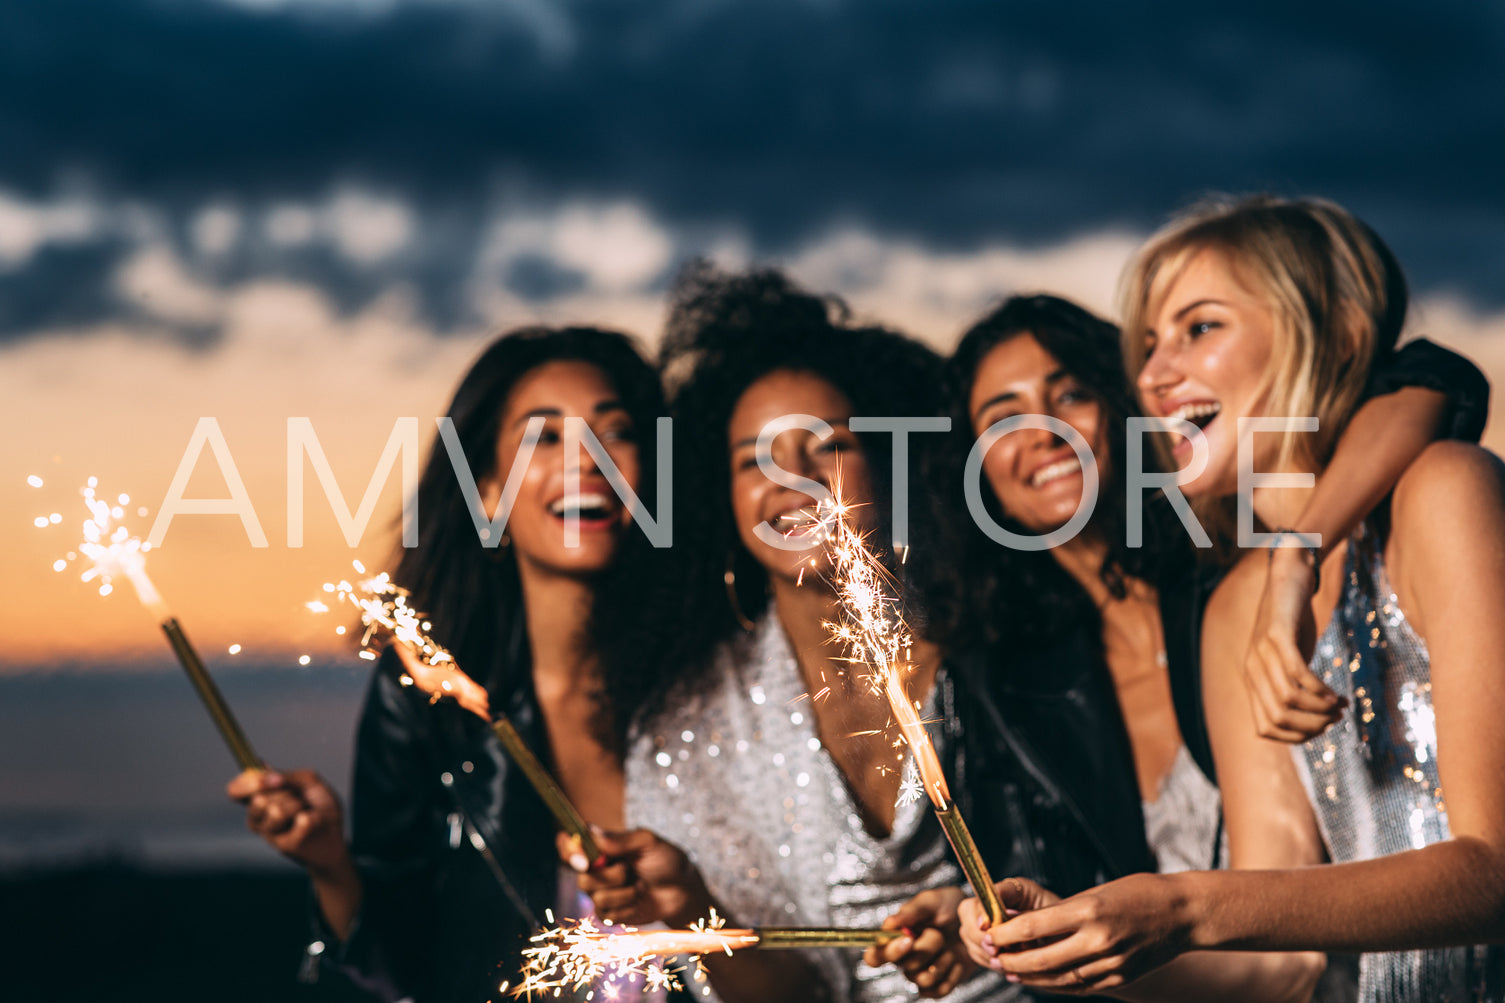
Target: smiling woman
1263, 308
762, 776
451, 862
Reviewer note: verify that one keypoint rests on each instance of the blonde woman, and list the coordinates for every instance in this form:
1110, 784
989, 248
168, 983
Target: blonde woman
1265, 309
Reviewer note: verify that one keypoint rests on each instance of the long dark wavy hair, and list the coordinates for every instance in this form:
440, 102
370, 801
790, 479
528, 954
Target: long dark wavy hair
982, 593
726, 331
471, 592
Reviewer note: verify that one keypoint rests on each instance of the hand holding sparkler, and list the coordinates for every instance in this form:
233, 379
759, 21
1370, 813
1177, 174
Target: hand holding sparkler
642, 879
930, 951
1018, 895
299, 815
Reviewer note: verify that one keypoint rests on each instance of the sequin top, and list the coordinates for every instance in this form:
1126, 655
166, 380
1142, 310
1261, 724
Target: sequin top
733, 772
1372, 777
1183, 823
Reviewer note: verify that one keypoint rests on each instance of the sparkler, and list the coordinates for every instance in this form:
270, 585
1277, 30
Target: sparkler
385, 613
581, 953
874, 634
114, 553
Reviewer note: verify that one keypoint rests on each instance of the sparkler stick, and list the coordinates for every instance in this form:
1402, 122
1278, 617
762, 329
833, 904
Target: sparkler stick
385, 610
875, 634
115, 553
578, 954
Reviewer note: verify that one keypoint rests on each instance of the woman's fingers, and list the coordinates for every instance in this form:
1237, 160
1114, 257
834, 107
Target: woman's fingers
1021, 895
927, 946
1051, 964
1048, 923
609, 901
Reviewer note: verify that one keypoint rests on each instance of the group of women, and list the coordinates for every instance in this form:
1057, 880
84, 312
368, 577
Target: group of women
1202, 769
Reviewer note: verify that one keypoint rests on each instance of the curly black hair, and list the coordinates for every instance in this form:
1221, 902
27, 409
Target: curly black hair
672, 612
981, 594
470, 591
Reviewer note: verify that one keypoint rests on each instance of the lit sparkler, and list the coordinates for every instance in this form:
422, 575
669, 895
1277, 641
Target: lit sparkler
114, 553
386, 615
581, 953
874, 634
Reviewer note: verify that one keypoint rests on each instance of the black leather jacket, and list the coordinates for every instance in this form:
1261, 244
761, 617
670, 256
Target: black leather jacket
1041, 766
455, 850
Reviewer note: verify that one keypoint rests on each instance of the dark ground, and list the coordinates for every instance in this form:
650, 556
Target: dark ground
111, 933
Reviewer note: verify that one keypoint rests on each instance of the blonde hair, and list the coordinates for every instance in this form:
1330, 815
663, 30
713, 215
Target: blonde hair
1335, 290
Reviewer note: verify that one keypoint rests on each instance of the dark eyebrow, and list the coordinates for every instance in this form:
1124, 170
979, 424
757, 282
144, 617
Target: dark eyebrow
753, 440
553, 412
1188, 308
1009, 395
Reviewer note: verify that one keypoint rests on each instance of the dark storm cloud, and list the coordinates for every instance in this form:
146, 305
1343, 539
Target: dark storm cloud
952, 123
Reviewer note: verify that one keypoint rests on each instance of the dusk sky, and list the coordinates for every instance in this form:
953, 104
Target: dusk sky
268, 209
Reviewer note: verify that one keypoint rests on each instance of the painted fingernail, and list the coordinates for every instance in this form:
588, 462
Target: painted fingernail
579, 863
902, 945
987, 941
270, 779
1010, 977
1011, 913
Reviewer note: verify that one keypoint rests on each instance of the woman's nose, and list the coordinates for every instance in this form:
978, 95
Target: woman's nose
1159, 372
583, 460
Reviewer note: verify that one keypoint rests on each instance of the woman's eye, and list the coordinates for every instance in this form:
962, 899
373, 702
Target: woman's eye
1201, 327
748, 462
549, 437
618, 435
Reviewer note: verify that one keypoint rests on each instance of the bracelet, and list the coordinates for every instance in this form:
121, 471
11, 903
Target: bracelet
1309, 544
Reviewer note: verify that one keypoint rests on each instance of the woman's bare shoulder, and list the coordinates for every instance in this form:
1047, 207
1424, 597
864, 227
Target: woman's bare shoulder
1446, 485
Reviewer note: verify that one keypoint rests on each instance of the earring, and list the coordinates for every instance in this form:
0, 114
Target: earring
730, 578
498, 552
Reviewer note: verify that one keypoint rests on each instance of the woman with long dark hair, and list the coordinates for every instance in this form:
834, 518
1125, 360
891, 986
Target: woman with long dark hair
451, 860
1131, 580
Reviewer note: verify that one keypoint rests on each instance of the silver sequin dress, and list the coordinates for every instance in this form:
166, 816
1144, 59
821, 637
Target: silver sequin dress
1372, 777
733, 772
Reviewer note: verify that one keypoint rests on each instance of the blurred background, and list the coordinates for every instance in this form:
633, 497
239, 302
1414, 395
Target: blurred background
263, 209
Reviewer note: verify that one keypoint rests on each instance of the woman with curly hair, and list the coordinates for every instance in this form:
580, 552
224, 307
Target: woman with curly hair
761, 772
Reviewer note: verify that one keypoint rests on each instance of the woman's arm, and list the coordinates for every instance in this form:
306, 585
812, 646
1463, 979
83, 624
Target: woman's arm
299, 815
1447, 562
1447, 552
1382, 439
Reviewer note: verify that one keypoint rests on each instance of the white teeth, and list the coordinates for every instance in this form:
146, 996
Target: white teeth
1055, 471
1195, 410
792, 520
580, 502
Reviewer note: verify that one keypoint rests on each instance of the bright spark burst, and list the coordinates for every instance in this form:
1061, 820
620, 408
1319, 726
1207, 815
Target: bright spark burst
579, 954
387, 617
910, 789
385, 614
111, 549
873, 634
